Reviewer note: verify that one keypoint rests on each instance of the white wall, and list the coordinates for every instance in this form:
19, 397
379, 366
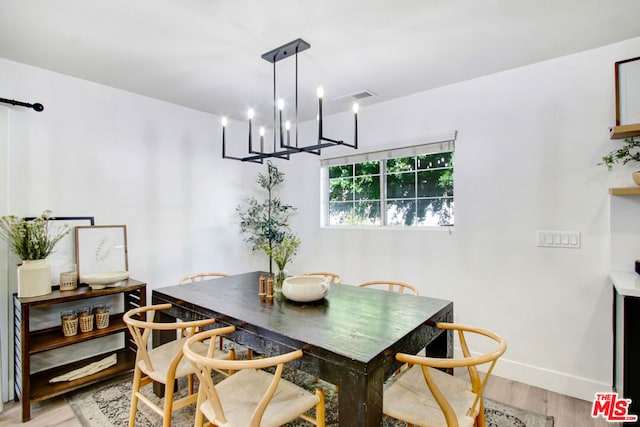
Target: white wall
528, 145
125, 159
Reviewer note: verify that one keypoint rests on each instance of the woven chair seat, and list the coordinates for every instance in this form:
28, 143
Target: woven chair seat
241, 392
161, 359
408, 398
251, 396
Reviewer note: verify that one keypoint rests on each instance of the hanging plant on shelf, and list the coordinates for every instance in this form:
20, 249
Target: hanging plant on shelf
265, 223
628, 153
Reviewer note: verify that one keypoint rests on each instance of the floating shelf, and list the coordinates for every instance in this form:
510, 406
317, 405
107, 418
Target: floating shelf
625, 191
625, 131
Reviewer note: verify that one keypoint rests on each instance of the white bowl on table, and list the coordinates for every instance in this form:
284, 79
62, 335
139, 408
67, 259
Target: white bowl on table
305, 288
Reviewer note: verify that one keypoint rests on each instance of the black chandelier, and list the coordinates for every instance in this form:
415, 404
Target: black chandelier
284, 134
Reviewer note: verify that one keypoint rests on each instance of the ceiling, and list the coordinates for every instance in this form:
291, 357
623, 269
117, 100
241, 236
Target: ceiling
206, 54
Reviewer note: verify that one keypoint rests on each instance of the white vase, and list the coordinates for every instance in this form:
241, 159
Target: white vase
34, 278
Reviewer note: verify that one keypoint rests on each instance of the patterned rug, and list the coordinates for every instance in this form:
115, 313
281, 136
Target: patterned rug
107, 404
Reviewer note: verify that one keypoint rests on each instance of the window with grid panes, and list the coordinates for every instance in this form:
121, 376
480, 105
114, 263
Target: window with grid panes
385, 190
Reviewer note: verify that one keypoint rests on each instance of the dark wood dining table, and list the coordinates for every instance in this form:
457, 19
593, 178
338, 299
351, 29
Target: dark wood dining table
349, 338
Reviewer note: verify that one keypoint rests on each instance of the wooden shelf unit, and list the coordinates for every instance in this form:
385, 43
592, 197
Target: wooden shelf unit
625, 191
33, 387
625, 131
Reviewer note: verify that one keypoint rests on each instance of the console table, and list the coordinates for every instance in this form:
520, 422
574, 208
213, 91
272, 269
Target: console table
33, 387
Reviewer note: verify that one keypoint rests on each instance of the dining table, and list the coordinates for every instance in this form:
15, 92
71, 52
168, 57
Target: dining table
349, 338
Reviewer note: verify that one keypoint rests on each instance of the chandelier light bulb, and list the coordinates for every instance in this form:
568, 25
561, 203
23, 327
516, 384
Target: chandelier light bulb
287, 125
261, 130
320, 92
224, 121
356, 107
280, 104
250, 113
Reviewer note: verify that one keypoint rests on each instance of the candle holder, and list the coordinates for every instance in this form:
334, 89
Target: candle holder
69, 320
85, 319
101, 312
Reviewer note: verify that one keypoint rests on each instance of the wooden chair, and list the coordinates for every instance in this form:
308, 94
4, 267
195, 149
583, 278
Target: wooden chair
251, 396
197, 277
392, 286
334, 278
163, 364
425, 396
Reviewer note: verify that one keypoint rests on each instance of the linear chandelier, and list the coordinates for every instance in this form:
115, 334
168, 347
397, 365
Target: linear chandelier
285, 147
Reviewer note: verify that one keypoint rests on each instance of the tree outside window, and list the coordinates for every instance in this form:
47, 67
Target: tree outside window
404, 191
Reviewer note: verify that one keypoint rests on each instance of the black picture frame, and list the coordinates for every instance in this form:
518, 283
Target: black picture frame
627, 80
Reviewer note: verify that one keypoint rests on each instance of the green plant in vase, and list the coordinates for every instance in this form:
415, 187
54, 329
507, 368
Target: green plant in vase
265, 223
33, 241
281, 254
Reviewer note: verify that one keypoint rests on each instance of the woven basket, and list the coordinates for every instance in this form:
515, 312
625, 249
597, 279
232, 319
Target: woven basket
102, 319
86, 322
68, 280
69, 326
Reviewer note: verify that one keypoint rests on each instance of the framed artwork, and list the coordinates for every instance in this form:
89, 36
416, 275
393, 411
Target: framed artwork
627, 91
101, 249
63, 257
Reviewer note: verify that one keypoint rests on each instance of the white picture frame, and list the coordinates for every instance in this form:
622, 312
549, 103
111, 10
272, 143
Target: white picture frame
101, 249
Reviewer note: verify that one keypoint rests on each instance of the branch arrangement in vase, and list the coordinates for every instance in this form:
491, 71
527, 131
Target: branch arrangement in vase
266, 223
30, 239
282, 252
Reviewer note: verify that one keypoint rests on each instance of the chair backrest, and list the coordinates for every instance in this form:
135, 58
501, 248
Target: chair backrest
334, 278
468, 361
205, 364
200, 276
141, 331
392, 286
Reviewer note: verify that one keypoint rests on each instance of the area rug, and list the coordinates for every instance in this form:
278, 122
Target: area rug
107, 404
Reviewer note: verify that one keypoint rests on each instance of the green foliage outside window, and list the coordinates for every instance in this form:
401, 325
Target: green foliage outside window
412, 191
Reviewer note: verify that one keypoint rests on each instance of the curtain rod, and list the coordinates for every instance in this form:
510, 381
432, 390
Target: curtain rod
37, 107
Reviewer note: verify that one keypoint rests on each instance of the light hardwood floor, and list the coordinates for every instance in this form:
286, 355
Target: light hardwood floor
567, 411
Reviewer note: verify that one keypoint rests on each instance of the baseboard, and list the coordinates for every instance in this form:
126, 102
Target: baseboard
559, 382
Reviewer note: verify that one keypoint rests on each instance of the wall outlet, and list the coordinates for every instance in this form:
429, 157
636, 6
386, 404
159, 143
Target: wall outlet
558, 239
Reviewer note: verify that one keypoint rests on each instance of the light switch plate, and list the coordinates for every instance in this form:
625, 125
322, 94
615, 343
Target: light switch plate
558, 239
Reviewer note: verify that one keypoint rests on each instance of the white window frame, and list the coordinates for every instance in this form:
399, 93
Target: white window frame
441, 142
